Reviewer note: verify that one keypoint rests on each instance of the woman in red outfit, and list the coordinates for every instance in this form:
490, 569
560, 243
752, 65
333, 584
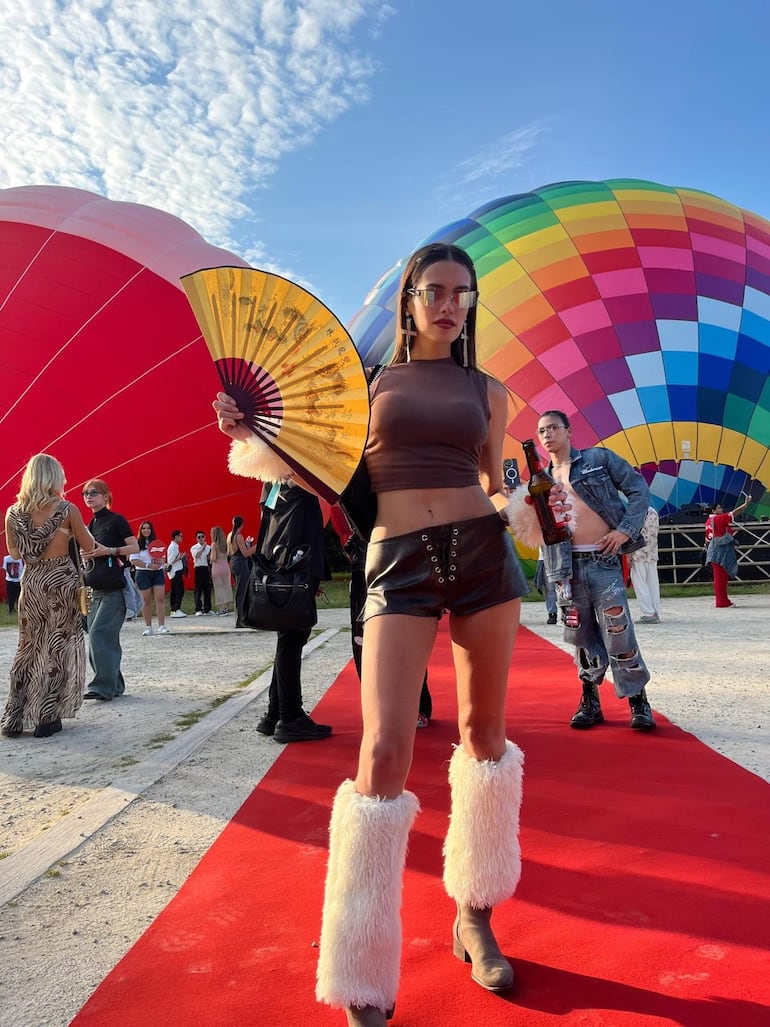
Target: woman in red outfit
721, 551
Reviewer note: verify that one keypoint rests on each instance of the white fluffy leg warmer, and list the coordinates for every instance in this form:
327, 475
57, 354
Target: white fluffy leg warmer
482, 858
360, 953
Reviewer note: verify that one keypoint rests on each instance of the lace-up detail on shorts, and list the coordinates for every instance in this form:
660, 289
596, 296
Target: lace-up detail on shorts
462, 567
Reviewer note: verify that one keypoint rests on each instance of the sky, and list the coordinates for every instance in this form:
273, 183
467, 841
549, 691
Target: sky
325, 139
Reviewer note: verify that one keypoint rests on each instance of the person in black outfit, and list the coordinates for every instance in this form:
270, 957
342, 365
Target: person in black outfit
291, 517
239, 553
104, 573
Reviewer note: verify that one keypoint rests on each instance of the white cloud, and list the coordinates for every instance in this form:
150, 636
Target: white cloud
476, 177
185, 105
507, 152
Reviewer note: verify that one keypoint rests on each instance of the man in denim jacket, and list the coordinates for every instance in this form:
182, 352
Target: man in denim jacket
605, 527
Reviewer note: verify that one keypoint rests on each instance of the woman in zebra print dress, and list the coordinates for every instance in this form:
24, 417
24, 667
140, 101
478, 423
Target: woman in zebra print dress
48, 672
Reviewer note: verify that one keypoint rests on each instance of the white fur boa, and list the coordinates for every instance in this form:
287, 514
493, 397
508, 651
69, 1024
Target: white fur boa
522, 519
360, 956
523, 522
482, 858
253, 458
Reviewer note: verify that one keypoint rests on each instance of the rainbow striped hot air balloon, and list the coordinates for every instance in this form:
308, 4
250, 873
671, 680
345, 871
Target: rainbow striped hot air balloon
641, 310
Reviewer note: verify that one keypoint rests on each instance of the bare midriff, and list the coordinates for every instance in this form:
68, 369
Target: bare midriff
587, 526
404, 510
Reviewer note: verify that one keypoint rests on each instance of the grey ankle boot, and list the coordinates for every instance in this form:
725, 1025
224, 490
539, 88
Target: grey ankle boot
475, 943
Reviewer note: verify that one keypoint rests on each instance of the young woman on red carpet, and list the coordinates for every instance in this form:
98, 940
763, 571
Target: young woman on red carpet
434, 455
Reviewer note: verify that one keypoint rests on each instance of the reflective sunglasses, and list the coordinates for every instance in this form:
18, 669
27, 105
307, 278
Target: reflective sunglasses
92, 492
548, 429
434, 296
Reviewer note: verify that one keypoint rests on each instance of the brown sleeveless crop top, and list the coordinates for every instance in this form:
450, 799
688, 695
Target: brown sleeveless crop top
429, 422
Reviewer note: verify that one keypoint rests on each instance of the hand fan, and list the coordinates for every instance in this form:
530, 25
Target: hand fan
290, 366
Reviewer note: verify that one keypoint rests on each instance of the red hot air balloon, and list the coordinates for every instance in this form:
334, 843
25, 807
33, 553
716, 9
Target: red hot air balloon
103, 363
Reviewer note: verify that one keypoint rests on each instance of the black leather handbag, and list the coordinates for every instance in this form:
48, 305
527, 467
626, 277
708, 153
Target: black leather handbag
281, 597
104, 574
358, 502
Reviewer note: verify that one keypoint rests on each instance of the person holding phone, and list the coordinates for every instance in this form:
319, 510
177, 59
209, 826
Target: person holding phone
439, 543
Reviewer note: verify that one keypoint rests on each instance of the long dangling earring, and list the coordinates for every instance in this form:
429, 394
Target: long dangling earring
408, 333
464, 339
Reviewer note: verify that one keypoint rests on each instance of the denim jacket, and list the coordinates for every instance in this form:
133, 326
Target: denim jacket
597, 476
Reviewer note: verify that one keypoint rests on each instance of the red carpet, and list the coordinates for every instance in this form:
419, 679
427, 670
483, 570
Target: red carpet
645, 893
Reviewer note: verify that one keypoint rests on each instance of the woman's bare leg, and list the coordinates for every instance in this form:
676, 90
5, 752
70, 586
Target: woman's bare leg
160, 603
395, 653
147, 607
482, 646
482, 859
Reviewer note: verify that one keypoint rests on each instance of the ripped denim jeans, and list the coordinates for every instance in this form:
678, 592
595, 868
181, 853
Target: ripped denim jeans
604, 640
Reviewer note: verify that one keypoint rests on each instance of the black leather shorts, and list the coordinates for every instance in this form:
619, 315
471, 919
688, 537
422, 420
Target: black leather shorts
463, 568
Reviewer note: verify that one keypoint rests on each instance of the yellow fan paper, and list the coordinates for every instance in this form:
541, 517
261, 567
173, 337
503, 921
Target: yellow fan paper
291, 367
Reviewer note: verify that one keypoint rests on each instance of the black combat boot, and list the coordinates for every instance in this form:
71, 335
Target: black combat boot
589, 712
641, 714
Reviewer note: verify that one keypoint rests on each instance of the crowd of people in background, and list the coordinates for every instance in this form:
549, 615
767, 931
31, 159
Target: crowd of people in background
57, 555
160, 569
117, 559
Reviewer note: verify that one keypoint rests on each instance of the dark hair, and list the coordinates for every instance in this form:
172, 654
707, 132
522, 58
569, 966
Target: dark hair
418, 263
557, 413
143, 542
175, 532
237, 522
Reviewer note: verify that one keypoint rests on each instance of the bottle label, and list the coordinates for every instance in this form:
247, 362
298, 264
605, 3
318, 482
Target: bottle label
572, 617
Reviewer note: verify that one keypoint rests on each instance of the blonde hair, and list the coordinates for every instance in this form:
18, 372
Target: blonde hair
218, 539
42, 481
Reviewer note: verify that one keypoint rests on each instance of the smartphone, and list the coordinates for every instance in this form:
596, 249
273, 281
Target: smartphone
511, 472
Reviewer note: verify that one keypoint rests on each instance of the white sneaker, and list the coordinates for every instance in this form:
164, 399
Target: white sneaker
147, 631
178, 613
199, 613
162, 630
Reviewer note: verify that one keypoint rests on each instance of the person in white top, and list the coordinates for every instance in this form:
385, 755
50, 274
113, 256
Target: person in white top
150, 579
175, 569
200, 553
644, 570
13, 572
